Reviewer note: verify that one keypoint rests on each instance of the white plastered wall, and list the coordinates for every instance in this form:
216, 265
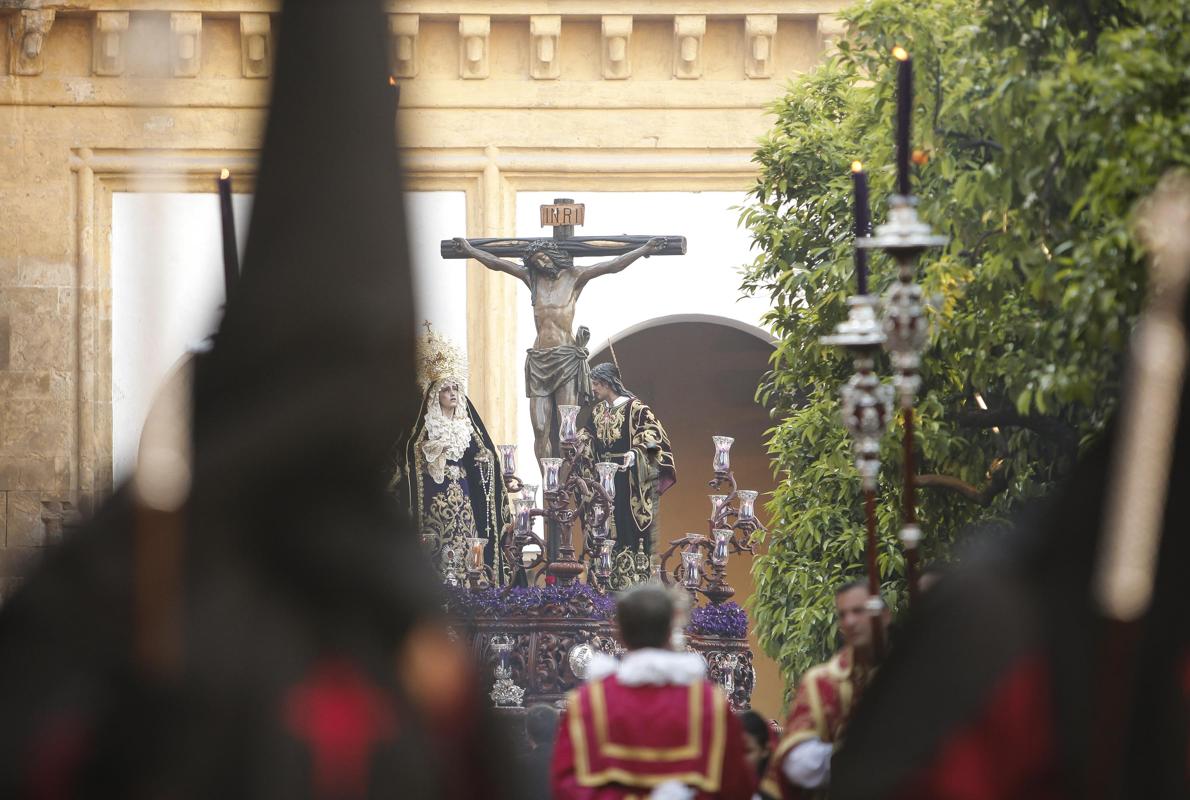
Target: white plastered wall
167, 289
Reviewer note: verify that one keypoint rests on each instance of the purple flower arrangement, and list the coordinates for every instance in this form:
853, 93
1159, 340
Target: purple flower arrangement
727, 620
575, 600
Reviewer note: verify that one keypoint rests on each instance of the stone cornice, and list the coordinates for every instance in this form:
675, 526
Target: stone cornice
178, 53
104, 92
590, 9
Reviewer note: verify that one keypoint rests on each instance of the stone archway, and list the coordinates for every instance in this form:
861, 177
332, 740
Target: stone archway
700, 373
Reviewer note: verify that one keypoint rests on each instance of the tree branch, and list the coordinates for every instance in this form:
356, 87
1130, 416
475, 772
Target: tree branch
972, 253
1008, 417
997, 483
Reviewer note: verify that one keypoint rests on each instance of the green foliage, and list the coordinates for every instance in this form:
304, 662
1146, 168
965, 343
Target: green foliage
1043, 126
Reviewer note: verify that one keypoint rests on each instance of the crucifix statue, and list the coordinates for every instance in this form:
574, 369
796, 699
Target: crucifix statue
556, 370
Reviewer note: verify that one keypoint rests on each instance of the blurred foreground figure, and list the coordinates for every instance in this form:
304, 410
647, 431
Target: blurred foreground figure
801, 763
650, 725
251, 617
1061, 669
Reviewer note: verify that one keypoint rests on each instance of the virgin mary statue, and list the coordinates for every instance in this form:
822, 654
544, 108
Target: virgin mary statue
449, 474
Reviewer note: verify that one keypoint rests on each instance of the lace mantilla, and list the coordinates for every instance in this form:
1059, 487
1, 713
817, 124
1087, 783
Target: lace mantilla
446, 438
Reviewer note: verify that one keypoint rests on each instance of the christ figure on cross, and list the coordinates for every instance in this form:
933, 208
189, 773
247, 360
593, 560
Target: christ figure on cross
556, 369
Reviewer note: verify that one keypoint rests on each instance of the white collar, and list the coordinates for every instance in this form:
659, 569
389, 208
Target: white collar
619, 401
649, 666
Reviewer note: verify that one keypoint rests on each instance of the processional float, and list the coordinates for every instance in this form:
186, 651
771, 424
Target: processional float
537, 624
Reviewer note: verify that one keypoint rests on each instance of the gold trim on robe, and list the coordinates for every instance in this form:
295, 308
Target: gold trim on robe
708, 780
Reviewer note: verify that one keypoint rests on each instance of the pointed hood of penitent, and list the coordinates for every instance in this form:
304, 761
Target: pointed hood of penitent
312, 374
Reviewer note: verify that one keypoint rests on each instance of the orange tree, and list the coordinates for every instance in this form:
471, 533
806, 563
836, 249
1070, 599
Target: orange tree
1043, 124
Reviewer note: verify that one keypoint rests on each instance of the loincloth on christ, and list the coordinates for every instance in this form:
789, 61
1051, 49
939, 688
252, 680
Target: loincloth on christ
549, 369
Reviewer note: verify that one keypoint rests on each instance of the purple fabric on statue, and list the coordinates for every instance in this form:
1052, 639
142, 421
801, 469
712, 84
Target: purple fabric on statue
727, 620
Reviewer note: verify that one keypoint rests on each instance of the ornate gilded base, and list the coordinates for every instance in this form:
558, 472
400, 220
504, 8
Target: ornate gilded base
540, 659
729, 664
549, 654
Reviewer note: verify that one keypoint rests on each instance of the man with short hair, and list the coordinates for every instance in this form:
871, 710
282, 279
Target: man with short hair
541, 729
650, 725
801, 764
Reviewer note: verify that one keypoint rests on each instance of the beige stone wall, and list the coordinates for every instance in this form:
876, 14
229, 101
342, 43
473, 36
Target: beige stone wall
101, 96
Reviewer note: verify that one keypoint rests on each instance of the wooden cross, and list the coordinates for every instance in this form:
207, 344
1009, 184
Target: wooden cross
563, 215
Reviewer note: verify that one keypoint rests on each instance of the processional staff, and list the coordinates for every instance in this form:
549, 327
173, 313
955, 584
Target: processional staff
867, 403
905, 237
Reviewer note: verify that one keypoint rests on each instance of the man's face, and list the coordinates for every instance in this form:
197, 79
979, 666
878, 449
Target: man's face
602, 391
854, 622
448, 398
541, 261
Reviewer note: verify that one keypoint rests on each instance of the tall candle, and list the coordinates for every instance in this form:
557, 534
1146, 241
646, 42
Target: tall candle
863, 224
231, 254
904, 117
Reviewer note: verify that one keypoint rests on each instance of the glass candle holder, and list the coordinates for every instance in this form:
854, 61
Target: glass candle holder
502, 647
568, 423
722, 461
729, 665
529, 492
717, 501
607, 477
549, 473
722, 539
524, 519
603, 567
600, 521
692, 560
747, 503
507, 459
475, 548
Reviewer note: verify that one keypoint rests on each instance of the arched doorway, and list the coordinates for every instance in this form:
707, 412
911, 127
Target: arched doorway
700, 373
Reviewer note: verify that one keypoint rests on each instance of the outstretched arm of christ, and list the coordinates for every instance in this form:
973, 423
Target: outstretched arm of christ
518, 271
620, 262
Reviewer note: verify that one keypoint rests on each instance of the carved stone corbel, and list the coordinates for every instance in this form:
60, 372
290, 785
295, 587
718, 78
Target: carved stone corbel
403, 30
256, 45
760, 35
830, 29
186, 43
107, 42
688, 32
617, 37
474, 32
545, 32
27, 34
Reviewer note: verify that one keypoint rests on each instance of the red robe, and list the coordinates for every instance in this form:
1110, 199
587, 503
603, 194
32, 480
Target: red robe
820, 710
1007, 751
618, 741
